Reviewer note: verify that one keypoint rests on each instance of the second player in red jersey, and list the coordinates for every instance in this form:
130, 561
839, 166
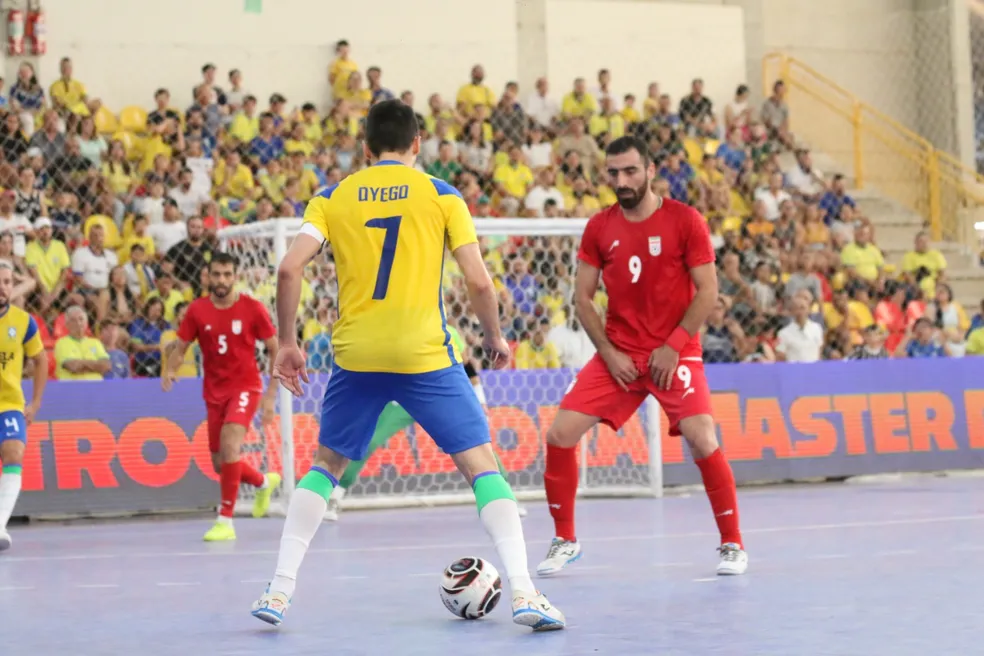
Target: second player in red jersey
656, 260
227, 325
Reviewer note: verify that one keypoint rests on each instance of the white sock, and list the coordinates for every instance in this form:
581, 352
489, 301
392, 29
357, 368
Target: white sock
222, 519
266, 483
502, 523
303, 519
338, 494
10, 487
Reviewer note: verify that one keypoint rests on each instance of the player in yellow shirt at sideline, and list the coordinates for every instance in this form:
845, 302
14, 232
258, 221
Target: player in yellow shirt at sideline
77, 356
20, 340
389, 227
535, 352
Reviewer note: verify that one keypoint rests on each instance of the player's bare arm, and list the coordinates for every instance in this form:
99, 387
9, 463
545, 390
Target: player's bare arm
40, 380
174, 354
485, 304
620, 365
268, 403
663, 361
289, 366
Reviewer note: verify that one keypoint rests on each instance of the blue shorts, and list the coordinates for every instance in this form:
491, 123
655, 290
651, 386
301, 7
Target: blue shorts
442, 402
13, 426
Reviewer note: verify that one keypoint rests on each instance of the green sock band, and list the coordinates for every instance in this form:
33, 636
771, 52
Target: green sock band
391, 421
12, 469
318, 481
489, 487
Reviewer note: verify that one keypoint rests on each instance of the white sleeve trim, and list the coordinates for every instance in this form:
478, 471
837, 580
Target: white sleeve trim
311, 231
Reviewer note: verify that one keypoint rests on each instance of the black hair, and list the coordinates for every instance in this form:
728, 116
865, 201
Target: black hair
627, 144
391, 127
224, 258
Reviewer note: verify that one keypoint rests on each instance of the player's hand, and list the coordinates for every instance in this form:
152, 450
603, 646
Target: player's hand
290, 370
662, 365
167, 380
621, 367
497, 351
29, 411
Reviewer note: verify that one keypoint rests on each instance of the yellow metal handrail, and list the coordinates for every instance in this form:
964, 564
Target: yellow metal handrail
878, 149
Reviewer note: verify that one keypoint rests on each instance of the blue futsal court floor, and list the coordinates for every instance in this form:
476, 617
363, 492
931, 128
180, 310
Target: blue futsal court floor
890, 569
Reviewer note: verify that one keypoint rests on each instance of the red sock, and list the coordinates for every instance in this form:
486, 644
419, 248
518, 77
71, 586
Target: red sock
251, 475
560, 480
230, 477
719, 483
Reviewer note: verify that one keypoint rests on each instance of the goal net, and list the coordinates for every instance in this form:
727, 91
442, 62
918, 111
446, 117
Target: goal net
532, 262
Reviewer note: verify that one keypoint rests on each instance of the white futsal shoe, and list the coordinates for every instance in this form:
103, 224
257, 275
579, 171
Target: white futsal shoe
271, 607
5, 540
334, 505
734, 560
536, 612
561, 554
522, 510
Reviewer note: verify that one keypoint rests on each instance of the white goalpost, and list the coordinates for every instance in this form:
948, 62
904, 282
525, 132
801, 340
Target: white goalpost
410, 471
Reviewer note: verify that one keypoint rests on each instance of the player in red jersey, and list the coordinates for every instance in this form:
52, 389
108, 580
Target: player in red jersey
227, 326
657, 263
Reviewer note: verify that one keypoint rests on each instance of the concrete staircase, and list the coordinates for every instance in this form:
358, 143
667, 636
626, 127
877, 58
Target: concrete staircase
895, 231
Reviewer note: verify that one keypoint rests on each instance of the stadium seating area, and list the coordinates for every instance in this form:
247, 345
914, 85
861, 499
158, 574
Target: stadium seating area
117, 212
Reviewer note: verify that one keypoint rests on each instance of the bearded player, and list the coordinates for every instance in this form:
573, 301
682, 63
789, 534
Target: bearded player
656, 260
389, 227
227, 326
21, 339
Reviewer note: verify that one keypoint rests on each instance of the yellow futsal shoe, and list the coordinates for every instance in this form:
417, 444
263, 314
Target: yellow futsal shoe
261, 505
222, 531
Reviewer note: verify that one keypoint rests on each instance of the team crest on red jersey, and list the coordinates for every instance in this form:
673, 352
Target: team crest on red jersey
237, 327
655, 246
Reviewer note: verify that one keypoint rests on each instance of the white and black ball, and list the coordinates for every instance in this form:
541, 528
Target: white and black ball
471, 588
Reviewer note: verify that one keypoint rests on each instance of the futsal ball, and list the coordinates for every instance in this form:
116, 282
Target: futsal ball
470, 588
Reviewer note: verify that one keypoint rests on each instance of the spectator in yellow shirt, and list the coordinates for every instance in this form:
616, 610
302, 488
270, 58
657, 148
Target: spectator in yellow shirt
849, 308
246, 123
975, 342
862, 259
189, 366
49, 258
629, 111
340, 69
476, 92
232, 178
535, 352
78, 357
68, 93
138, 237
298, 142
608, 121
168, 295
514, 178
924, 265
578, 102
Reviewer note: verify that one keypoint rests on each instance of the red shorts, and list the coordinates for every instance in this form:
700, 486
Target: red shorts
594, 392
237, 409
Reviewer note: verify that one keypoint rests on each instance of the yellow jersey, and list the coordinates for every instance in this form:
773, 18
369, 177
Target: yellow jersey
19, 338
388, 226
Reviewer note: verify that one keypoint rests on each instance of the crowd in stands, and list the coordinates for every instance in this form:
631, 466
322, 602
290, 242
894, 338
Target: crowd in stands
110, 219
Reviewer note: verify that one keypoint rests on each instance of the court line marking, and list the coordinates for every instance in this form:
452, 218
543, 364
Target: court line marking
897, 552
827, 556
707, 580
16, 588
352, 577
97, 586
176, 584
878, 523
255, 581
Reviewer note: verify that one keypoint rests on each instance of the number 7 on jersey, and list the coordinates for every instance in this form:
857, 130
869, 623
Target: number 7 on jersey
391, 224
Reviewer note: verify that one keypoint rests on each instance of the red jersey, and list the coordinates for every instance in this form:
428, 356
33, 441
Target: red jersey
646, 270
227, 338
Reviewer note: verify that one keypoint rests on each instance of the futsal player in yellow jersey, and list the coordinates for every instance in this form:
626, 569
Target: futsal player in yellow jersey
19, 338
388, 227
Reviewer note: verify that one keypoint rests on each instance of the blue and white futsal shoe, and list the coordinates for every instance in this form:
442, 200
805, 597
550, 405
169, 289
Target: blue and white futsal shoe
271, 607
561, 554
536, 612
